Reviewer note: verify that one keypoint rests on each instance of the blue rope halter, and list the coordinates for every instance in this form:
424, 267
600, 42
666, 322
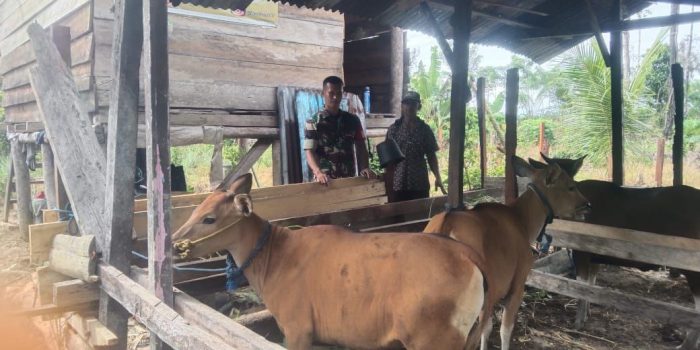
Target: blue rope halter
235, 275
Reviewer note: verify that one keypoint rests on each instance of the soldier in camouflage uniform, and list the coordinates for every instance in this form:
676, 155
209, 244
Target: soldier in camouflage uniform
333, 136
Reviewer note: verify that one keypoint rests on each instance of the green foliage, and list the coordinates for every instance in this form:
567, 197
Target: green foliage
232, 152
691, 126
657, 80
196, 161
588, 117
434, 87
529, 131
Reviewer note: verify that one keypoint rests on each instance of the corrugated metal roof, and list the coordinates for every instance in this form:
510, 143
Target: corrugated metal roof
493, 22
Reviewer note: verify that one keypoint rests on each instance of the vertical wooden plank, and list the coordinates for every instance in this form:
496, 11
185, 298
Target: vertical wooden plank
616, 100
60, 35
216, 165
68, 126
481, 115
277, 163
512, 91
396, 87
22, 188
679, 96
461, 23
285, 108
543, 147
9, 188
121, 156
155, 44
49, 170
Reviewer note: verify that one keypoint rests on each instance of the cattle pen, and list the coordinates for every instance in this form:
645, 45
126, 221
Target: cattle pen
149, 89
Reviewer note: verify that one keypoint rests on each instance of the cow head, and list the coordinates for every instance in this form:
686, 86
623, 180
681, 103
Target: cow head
213, 224
570, 166
556, 186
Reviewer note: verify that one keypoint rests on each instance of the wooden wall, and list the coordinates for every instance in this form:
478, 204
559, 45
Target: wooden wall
213, 64
16, 54
368, 62
231, 66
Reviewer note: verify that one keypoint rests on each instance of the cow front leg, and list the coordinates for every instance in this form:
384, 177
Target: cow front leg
298, 339
585, 271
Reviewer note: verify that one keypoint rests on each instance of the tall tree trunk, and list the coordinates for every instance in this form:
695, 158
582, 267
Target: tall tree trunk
626, 55
668, 123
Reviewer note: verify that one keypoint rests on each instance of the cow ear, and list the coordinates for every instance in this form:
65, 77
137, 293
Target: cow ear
577, 166
546, 159
243, 204
241, 184
535, 164
553, 173
522, 168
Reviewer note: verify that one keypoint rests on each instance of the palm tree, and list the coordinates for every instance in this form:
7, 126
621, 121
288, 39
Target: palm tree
588, 112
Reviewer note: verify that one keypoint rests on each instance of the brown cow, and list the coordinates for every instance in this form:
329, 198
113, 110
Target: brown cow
329, 285
663, 210
502, 234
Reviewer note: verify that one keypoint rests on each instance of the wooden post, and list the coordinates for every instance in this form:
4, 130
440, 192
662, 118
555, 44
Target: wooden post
461, 23
397, 62
616, 100
512, 91
216, 169
121, 156
160, 278
481, 114
543, 146
277, 178
60, 35
49, 170
22, 188
679, 96
9, 188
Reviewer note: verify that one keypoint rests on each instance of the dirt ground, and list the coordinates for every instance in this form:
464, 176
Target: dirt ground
545, 320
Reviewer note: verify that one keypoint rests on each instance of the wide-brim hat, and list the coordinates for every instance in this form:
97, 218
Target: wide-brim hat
389, 153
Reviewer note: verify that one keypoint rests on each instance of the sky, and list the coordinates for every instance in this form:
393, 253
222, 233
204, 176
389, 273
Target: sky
640, 40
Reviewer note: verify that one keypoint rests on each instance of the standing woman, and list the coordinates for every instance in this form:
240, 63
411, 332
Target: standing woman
417, 142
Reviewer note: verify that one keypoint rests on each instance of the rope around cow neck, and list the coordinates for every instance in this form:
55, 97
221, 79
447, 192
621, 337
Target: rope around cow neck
550, 211
233, 274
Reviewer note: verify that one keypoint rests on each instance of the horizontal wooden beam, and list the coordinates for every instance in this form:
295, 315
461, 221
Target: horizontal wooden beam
200, 315
165, 322
679, 252
656, 310
74, 292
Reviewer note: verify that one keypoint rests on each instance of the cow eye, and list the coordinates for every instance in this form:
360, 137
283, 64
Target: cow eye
208, 221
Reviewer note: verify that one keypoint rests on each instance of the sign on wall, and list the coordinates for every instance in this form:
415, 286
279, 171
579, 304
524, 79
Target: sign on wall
259, 12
